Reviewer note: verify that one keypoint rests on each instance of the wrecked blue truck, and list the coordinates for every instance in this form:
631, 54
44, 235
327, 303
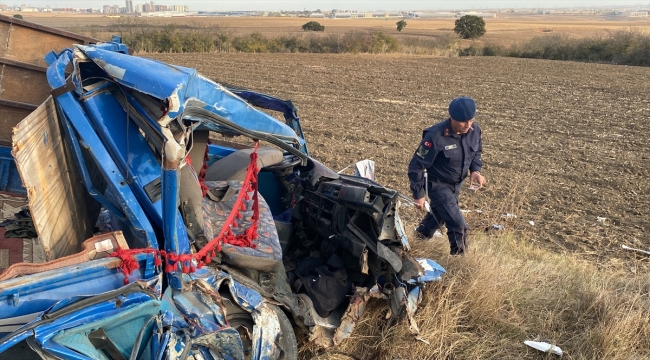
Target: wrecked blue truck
220, 237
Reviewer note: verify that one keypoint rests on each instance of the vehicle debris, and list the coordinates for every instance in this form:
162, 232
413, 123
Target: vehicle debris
365, 169
544, 347
206, 240
495, 227
633, 249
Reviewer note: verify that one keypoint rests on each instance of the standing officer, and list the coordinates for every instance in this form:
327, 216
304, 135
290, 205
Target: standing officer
448, 152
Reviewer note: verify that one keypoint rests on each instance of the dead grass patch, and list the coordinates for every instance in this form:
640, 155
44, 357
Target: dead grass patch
504, 292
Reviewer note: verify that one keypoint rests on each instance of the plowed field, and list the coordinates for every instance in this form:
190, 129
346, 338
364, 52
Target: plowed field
565, 144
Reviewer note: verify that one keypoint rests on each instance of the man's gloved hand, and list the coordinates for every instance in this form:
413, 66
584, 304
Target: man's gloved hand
419, 203
476, 178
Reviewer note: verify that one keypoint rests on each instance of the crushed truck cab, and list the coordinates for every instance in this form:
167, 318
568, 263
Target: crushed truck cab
222, 227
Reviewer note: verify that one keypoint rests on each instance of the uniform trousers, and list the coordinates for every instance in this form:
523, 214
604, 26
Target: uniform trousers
445, 211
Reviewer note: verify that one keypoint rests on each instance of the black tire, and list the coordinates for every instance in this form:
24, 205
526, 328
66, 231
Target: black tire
242, 321
288, 342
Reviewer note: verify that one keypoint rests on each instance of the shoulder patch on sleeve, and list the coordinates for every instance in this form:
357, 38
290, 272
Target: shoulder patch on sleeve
427, 144
422, 151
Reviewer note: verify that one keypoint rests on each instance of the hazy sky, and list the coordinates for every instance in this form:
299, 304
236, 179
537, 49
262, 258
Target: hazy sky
224, 5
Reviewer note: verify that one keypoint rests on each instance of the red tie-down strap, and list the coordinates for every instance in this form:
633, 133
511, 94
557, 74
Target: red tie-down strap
225, 236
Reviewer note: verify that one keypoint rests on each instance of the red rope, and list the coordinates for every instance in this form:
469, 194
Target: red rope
225, 236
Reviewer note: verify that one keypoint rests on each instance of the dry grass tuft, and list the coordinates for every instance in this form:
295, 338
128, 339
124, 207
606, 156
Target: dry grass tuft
504, 292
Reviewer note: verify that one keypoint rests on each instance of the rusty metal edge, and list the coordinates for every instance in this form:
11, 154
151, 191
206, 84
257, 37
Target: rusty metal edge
18, 104
85, 39
23, 65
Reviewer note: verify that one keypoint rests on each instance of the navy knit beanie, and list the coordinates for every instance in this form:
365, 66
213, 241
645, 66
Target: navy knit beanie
462, 109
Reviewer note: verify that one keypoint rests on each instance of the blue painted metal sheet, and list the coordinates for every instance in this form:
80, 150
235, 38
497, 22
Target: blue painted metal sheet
286, 107
179, 84
35, 293
432, 271
142, 167
77, 116
9, 177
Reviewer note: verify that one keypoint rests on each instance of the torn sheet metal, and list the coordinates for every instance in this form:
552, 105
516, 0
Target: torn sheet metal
224, 342
402, 300
411, 268
399, 228
432, 271
266, 333
202, 307
352, 315
413, 300
180, 84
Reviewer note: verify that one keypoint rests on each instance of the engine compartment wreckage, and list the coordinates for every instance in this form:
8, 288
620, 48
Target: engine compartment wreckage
222, 227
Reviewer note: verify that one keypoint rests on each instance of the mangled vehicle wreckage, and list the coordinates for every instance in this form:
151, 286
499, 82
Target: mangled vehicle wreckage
225, 235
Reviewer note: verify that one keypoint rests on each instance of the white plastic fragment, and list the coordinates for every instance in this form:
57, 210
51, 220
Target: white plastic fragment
510, 216
633, 249
437, 234
532, 223
465, 211
545, 347
365, 168
601, 219
104, 245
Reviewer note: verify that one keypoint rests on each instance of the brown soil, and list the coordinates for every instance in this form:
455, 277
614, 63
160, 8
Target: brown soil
564, 143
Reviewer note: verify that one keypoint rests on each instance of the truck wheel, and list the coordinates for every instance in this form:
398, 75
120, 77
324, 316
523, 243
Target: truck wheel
288, 342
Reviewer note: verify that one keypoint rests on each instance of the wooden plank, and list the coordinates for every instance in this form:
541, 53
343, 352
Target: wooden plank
27, 45
19, 105
78, 39
24, 41
9, 117
42, 69
24, 85
57, 198
4, 37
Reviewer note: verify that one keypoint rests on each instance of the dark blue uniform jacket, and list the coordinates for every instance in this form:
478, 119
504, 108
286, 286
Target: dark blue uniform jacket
447, 157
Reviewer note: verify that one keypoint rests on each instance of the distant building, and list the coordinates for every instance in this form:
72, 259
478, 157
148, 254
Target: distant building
26, 8
432, 15
481, 15
166, 14
129, 6
349, 15
317, 15
448, 15
637, 14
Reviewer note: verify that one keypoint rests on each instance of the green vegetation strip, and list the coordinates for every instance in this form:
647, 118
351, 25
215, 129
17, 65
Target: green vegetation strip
629, 47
